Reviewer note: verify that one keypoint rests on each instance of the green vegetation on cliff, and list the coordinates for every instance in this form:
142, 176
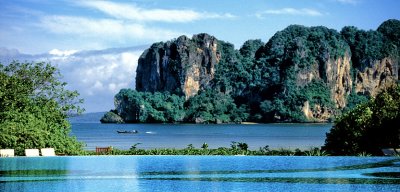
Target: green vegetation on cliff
296, 60
135, 106
301, 74
205, 107
34, 106
214, 107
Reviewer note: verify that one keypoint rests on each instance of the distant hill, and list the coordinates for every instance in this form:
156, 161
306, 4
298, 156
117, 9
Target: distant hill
87, 118
302, 74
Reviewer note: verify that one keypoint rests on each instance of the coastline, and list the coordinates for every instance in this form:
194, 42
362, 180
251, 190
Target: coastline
249, 123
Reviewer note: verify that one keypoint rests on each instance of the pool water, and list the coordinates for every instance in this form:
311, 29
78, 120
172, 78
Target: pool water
199, 173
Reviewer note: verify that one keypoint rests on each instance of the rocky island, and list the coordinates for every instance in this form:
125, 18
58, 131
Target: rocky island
302, 74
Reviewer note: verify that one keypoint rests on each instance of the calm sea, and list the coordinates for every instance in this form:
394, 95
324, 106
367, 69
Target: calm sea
88, 129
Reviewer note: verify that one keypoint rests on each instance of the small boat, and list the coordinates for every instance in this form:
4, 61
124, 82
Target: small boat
132, 132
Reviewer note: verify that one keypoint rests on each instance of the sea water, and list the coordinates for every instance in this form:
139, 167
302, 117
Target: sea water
288, 135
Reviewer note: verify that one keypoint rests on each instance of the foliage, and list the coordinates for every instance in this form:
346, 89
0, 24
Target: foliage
347, 134
264, 80
134, 146
289, 107
297, 49
34, 107
317, 92
134, 106
243, 146
206, 107
315, 152
228, 69
204, 146
354, 99
366, 46
213, 107
363, 154
204, 150
369, 127
391, 30
250, 47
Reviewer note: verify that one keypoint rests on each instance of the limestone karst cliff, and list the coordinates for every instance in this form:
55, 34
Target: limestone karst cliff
380, 73
301, 74
183, 66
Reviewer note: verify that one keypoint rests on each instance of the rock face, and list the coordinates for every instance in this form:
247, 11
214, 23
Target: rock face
318, 114
183, 66
339, 79
382, 72
368, 81
337, 76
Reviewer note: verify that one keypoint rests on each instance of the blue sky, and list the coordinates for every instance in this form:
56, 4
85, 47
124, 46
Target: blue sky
96, 44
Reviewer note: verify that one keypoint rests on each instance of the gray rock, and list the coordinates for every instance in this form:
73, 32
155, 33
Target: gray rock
183, 66
111, 117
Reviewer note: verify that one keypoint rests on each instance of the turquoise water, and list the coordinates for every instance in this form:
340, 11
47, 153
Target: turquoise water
199, 173
291, 136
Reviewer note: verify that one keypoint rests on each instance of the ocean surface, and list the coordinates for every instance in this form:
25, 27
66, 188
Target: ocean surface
88, 129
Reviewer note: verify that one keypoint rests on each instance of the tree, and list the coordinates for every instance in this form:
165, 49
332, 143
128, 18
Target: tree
243, 146
211, 106
391, 29
204, 146
369, 127
34, 108
250, 47
134, 106
354, 99
384, 131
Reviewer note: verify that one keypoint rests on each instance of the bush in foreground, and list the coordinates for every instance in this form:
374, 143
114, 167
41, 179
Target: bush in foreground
369, 127
34, 106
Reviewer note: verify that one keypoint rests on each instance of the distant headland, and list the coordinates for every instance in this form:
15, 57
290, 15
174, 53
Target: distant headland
302, 74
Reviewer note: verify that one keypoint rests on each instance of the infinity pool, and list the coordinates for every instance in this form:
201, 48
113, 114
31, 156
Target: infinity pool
199, 173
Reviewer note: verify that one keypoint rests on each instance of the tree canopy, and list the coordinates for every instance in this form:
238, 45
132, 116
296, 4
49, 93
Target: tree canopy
369, 127
206, 107
34, 106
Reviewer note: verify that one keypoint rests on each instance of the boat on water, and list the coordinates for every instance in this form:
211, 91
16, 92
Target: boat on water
126, 131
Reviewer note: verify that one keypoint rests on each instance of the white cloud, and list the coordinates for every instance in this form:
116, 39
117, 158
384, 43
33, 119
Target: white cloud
114, 24
96, 75
135, 13
290, 11
99, 75
60, 53
106, 29
106, 72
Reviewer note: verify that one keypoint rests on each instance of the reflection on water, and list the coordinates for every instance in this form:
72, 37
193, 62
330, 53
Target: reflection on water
199, 173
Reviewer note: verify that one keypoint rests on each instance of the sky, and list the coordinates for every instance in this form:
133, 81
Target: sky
96, 44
